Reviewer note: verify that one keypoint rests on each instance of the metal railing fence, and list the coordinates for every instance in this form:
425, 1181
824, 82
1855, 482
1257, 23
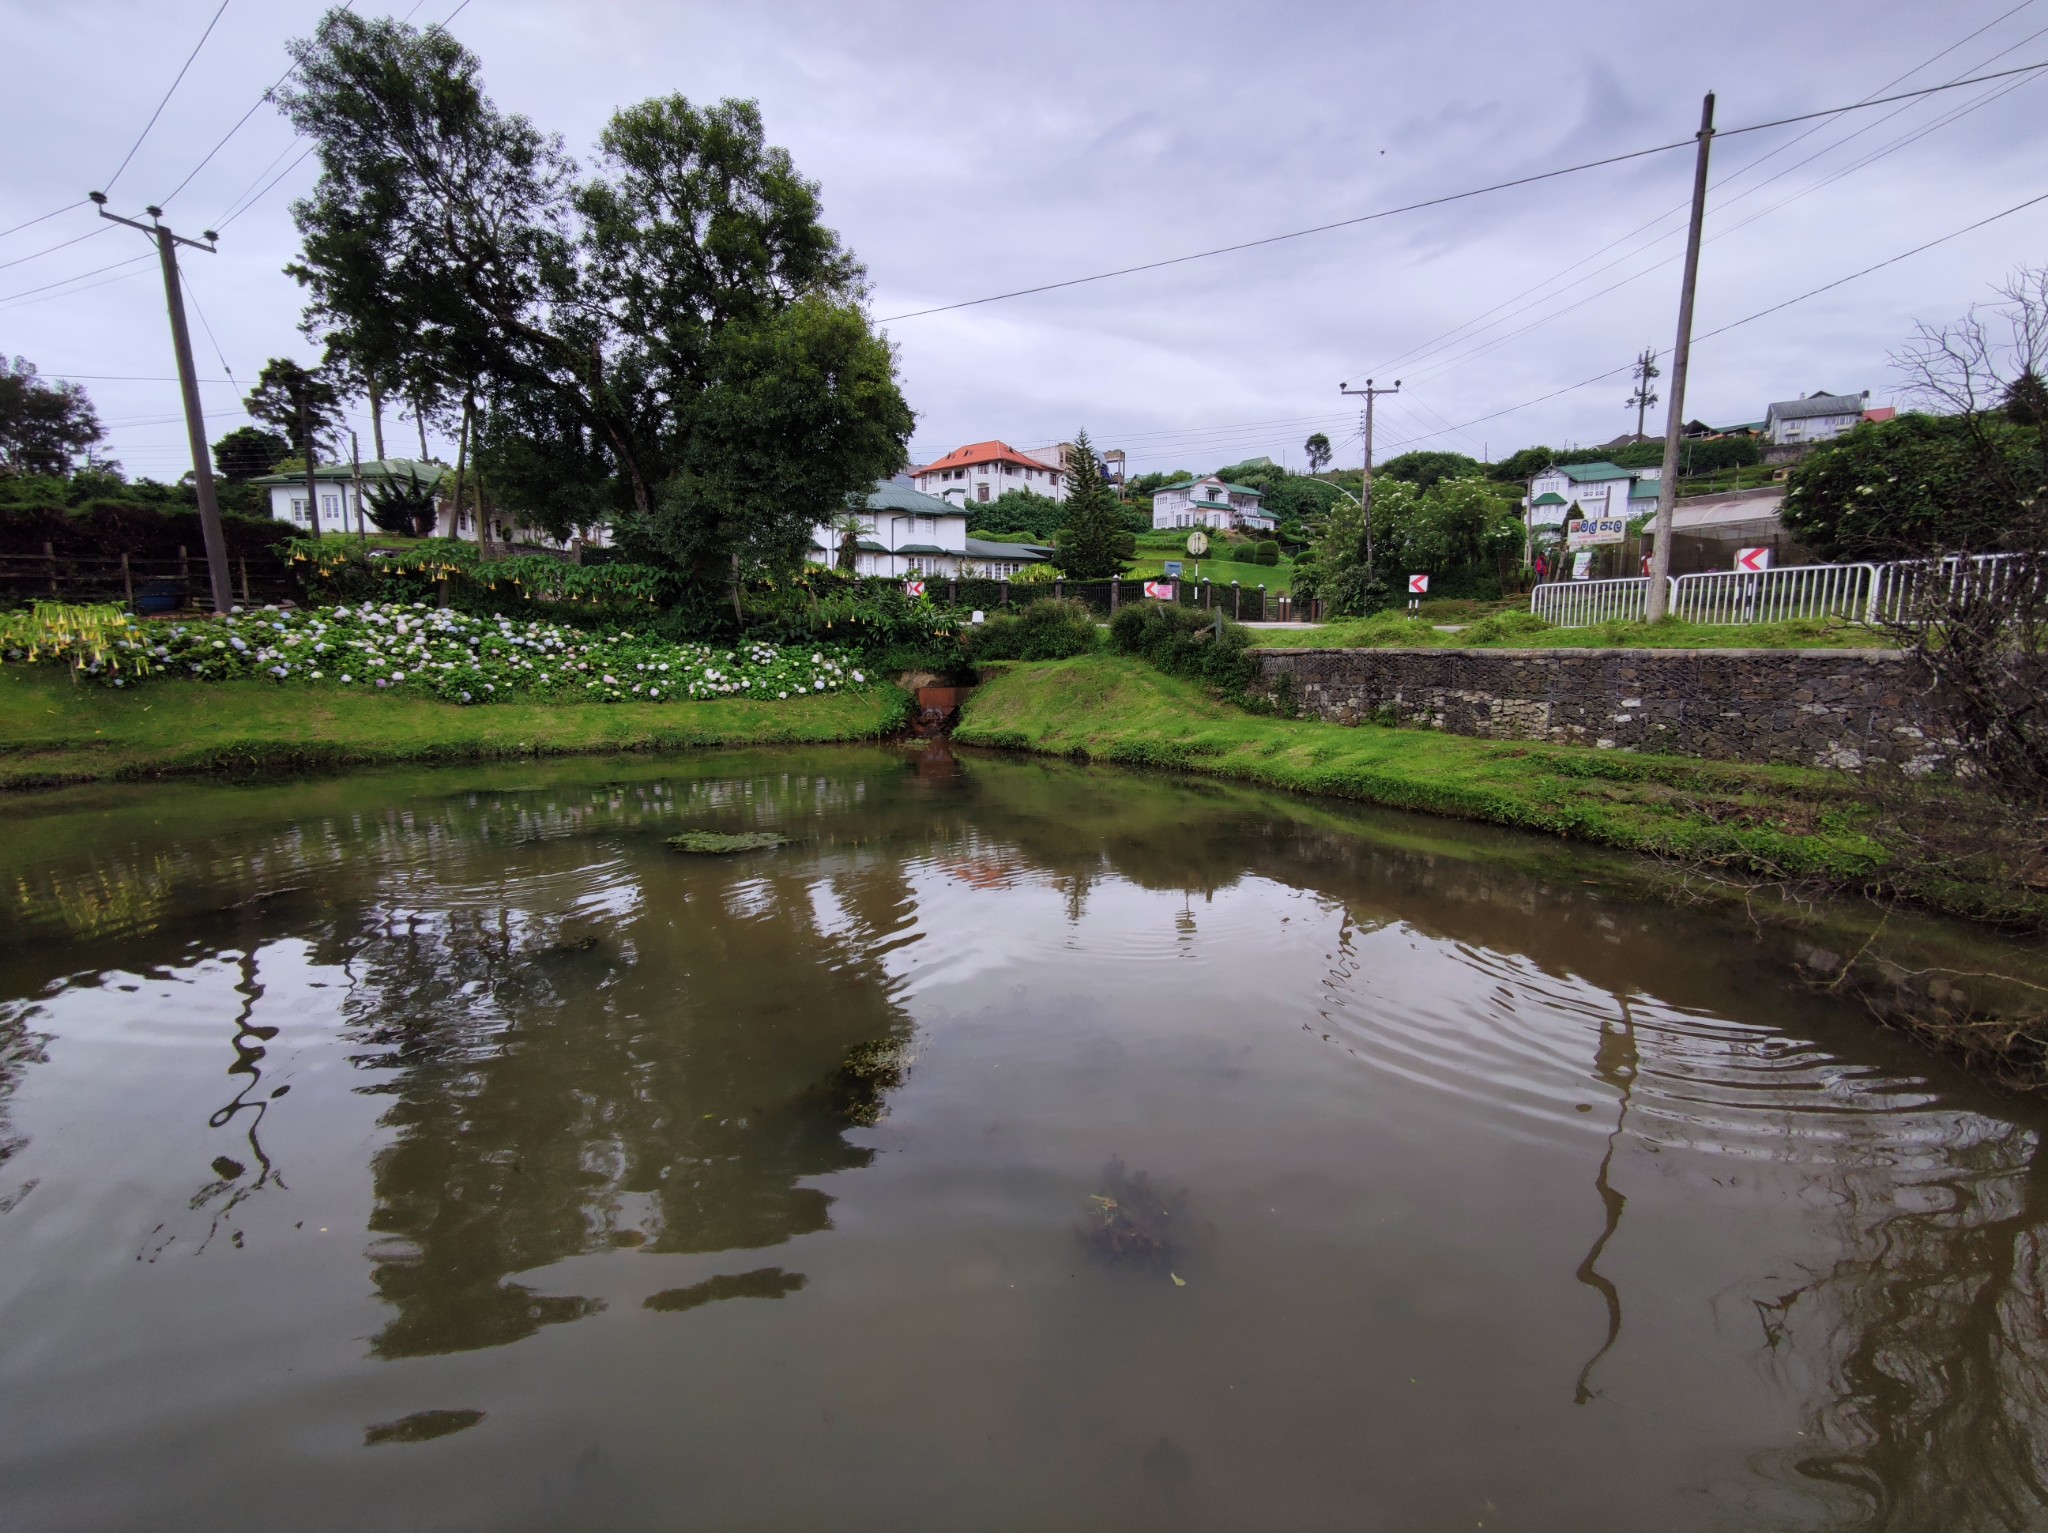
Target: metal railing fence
1858, 593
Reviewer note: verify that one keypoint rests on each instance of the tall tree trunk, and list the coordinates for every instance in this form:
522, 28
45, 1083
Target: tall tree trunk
312, 485
461, 467
419, 419
377, 418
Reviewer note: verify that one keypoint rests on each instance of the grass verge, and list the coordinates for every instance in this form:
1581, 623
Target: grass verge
1775, 822
53, 733
1520, 630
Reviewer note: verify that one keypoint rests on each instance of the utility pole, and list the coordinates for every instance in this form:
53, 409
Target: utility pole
1658, 596
188, 385
1369, 394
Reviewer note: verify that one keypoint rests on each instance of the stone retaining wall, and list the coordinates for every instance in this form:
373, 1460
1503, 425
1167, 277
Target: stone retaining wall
1833, 708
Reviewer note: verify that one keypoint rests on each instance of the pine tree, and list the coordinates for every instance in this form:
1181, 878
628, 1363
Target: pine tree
1092, 544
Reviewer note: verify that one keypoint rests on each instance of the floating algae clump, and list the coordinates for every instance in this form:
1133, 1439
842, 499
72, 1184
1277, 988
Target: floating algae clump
1136, 1221
718, 843
857, 1089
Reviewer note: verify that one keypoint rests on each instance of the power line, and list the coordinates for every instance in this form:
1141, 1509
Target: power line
61, 281
1612, 372
1431, 347
238, 212
1432, 202
126, 276
30, 223
153, 116
51, 249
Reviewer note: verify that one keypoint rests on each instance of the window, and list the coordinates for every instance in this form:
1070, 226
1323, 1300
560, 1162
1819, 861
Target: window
927, 526
981, 492
298, 508
330, 505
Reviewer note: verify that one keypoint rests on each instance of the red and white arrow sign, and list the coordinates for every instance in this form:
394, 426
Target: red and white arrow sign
1755, 560
913, 588
1418, 585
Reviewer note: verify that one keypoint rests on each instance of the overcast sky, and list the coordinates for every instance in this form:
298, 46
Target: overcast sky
966, 150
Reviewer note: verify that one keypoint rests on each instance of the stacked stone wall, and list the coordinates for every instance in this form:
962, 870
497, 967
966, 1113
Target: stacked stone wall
1832, 708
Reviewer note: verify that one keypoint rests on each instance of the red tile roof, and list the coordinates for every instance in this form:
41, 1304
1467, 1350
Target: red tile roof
980, 452
1881, 413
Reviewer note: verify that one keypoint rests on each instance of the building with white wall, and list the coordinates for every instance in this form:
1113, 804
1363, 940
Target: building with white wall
1212, 503
982, 471
903, 532
1565, 493
1819, 417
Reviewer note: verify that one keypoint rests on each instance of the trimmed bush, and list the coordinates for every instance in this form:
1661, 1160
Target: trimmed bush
1045, 630
1268, 551
1185, 641
1245, 553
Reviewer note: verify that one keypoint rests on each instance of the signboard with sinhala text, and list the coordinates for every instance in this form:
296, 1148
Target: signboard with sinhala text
1591, 531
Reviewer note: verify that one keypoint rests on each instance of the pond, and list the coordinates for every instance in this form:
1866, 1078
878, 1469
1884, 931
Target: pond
1018, 1145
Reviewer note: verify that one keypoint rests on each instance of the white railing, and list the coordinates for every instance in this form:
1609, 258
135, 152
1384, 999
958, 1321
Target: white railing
1909, 588
1861, 593
1776, 595
1582, 603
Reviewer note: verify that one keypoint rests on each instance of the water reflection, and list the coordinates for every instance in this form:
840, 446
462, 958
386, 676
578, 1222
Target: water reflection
580, 1045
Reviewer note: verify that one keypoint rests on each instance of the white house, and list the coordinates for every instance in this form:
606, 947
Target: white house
1562, 493
984, 470
1211, 503
339, 511
1819, 417
904, 532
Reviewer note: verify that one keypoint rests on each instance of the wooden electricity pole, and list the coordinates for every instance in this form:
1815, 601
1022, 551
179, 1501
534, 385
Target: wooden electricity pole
1658, 596
1369, 394
188, 385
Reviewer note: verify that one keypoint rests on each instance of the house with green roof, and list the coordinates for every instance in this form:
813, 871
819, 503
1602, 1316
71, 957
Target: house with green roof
338, 487
1569, 492
346, 490
1213, 503
903, 532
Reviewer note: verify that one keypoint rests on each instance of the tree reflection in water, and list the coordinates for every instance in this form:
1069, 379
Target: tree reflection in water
563, 1085
1614, 1064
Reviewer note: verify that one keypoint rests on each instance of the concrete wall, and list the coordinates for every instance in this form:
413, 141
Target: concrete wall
1833, 708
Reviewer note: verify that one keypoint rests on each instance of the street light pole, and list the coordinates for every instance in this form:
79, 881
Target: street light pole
188, 385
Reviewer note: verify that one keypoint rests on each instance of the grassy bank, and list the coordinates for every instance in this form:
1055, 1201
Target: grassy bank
1783, 819
52, 732
1519, 630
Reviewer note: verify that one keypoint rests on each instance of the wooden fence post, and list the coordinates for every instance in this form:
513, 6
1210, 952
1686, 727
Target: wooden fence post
1116, 586
127, 578
1059, 589
1236, 600
243, 561
50, 553
184, 563
1006, 590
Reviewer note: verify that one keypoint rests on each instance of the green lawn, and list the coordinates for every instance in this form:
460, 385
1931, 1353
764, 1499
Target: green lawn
1155, 548
52, 732
1515, 628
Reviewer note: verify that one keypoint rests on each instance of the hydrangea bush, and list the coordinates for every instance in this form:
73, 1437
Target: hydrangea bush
461, 659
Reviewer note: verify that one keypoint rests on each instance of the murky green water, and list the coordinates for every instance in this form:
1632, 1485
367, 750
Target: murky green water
441, 1151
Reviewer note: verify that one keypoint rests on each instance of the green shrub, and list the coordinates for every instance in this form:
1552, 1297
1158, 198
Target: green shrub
1504, 625
1186, 641
1245, 553
1045, 630
1267, 551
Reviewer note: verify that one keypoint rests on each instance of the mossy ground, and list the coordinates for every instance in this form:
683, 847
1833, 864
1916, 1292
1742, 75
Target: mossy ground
52, 732
1769, 822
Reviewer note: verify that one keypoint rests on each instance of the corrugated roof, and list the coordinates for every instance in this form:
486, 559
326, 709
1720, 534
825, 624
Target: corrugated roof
1594, 473
1548, 498
1817, 404
1031, 553
1189, 484
375, 468
981, 452
1645, 489
891, 496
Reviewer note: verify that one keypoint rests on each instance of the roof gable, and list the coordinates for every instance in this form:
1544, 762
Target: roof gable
891, 496
981, 452
1819, 403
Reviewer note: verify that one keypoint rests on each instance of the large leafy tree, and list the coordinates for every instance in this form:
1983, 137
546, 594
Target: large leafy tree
1910, 488
1093, 544
1424, 469
249, 452
44, 427
300, 404
1317, 448
678, 314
